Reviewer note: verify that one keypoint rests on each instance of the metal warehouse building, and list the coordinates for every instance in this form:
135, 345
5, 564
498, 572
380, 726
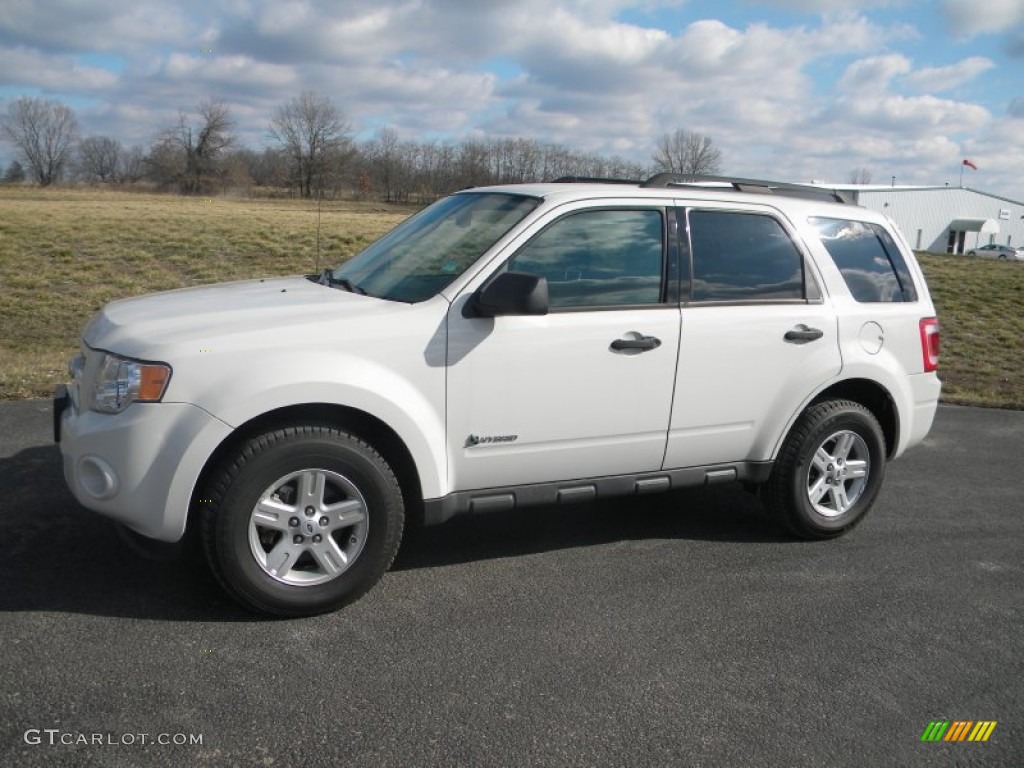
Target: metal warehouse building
944, 219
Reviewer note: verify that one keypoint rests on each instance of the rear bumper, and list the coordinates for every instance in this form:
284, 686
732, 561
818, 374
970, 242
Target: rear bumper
138, 467
925, 389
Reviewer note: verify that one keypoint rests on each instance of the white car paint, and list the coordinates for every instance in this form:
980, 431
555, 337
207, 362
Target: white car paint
722, 387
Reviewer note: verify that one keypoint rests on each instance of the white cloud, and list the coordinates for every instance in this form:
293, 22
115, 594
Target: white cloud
66, 26
62, 74
969, 18
780, 99
874, 74
938, 79
233, 71
623, 43
284, 17
830, 6
912, 117
704, 45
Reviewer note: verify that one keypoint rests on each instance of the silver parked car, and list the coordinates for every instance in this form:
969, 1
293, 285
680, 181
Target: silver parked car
996, 251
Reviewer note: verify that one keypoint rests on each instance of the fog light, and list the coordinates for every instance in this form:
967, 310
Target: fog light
96, 477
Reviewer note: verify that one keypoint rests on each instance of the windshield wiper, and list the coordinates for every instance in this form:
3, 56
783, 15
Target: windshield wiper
327, 278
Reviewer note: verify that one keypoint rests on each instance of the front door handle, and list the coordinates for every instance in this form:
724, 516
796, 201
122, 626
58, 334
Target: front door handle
802, 334
643, 343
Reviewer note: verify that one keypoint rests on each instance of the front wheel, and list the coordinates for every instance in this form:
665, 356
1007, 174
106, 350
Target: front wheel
301, 520
828, 472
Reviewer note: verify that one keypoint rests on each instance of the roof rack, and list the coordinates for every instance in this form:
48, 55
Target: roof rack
756, 186
596, 180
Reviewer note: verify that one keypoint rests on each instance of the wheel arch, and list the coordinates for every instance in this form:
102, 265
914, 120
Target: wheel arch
364, 425
873, 396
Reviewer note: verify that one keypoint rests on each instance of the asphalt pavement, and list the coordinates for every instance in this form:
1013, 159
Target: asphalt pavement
682, 629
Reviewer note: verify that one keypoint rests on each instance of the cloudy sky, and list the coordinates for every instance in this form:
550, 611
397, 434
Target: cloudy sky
788, 89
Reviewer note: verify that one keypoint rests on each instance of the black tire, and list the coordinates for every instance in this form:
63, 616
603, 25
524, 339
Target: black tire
348, 472
827, 426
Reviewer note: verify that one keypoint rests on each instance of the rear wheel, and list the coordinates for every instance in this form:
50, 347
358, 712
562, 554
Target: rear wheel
301, 520
829, 470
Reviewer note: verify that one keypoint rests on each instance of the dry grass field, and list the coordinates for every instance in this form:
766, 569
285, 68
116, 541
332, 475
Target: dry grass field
64, 253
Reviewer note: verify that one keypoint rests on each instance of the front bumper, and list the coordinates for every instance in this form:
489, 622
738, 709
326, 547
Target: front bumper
138, 467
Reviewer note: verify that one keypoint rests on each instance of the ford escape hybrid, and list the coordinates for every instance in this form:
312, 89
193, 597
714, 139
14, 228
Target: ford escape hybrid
509, 346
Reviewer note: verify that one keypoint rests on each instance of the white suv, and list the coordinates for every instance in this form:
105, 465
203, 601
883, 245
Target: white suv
509, 346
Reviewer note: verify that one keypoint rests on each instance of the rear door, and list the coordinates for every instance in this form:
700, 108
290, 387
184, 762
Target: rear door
757, 337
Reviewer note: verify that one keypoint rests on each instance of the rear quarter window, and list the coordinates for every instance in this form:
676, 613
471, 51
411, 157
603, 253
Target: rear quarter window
868, 258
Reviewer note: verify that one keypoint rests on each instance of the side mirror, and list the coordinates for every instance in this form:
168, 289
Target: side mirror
510, 293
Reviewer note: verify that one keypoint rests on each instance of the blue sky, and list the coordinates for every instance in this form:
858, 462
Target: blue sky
788, 89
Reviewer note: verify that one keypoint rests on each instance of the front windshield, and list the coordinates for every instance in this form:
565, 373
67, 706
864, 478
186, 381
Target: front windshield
426, 252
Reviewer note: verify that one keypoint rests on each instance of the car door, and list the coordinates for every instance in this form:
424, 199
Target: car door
586, 390
757, 338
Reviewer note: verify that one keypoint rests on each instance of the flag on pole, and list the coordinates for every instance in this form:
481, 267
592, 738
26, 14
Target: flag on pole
969, 164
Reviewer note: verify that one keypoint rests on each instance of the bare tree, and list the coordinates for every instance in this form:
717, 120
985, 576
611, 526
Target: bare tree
687, 153
15, 173
189, 154
163, 164
386, 159
860, 176
43, 131
133, 165
268, 168
99, 158
311, 131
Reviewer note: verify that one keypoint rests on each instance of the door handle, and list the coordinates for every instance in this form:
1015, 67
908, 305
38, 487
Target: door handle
802, 334
643, 343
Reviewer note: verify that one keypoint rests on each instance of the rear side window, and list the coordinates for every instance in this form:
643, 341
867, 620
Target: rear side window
870, 261
743, 257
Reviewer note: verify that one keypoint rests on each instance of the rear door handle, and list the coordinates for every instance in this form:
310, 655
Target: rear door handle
642, 343
802, 334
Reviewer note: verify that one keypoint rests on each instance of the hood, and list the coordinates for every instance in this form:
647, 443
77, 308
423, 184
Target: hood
132, 326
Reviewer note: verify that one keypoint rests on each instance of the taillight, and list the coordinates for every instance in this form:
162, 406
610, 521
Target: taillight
930, 343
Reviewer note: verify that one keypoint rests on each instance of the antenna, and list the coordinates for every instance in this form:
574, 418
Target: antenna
319, 201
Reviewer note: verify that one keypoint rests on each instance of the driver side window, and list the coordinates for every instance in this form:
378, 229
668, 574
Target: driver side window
598, 258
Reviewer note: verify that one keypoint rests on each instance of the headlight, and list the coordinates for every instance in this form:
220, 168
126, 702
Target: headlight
120, 382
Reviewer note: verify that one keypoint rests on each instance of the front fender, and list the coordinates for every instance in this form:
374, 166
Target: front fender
417, 419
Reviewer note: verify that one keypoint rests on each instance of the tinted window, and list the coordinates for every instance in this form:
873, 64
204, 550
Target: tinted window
598, 258
743, 257
871, 263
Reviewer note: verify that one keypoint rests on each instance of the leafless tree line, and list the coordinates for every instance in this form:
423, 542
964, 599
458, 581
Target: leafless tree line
311, 152
417, 171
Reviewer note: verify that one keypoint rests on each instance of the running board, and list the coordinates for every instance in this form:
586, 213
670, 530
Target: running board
575, 491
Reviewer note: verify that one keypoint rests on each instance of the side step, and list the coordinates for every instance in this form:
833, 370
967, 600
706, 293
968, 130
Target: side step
487, 500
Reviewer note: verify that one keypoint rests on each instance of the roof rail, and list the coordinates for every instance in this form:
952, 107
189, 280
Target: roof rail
757, 186
596, 180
